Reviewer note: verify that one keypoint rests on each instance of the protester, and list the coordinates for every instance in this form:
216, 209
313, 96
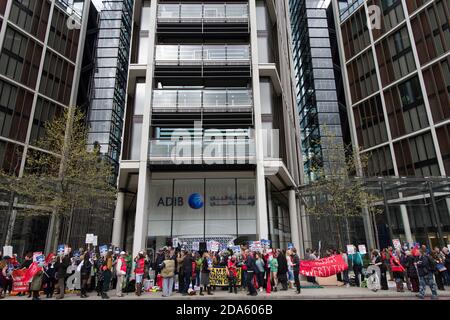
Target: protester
397, 270
377, 260
232, 274
36, 284
167, 268
3, 276
296, 268
273, 265
49, 278
61, 265
344, 274
282, 269
411, 271
179, 268
205, 271
308, 257
121, 272
139, 271
446, 252
425, 270
357, 263
85, 269
251, 269
259, 262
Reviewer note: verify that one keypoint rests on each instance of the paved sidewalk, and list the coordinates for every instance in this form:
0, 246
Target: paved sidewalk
325, 293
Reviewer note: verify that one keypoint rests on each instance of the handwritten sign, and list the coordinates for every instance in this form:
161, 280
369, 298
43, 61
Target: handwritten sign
397, 244
218, 277
8, 251
195, 246
362, 249
350, 249
89, 238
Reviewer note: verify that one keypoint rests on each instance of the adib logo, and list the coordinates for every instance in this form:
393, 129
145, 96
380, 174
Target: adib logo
196, 201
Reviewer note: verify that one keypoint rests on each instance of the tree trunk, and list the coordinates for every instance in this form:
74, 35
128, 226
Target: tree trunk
341, 245
69, 228
347, 230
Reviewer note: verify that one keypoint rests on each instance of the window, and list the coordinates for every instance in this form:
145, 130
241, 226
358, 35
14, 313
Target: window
443, 134
392, 15
362, 76
380, 163
31, 16
355, 33
437, 83
62, 39
395, 57
405, 108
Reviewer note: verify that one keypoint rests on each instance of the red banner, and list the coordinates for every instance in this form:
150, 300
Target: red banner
323, 268
20, 281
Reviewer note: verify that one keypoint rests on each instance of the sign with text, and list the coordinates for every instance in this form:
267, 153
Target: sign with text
218, 277
256, 246
95, 241
350, 249
323, 268
362, 249
103, 250
397, 244
61, 249
215, 246
237, 249
8, 251
89, 238
20, 281
195, 246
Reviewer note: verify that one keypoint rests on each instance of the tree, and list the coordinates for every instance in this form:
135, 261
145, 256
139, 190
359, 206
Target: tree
64, 177
338, 191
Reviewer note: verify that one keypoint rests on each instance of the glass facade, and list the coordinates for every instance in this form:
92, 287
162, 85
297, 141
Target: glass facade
320, 99
402, 126
201, 209
108, 92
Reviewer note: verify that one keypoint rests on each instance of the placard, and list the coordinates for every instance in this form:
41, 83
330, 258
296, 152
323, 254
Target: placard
350, 249
195, 246
237, 249
256, 246
265, 243
38, 257
89, 238
103, 250
362, 249
290, 246
215, 246
397, 244
61, 249
95, 241
8, 251
175, 242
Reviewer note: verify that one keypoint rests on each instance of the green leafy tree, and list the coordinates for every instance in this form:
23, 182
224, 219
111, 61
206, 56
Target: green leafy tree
64, 178
338, 191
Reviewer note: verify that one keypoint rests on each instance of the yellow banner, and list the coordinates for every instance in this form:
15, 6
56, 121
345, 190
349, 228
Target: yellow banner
218, 277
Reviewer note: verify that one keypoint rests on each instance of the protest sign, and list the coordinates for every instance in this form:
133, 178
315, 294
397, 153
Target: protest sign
61, 249
8, 251
255, 246
362, 249
237, 249
89, 238
195, 246
103, 250
218, 277
20, 282
215, 246
95, 241
397, 244
175, 242
39, 258
290, 246
323, 268
265, 243
350, 249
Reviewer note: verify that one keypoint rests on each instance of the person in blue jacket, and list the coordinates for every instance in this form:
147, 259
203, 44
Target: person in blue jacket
357, 263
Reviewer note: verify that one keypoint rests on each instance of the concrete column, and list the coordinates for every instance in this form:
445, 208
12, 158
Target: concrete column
261, 202
406, 225
295, 234
447, 201
368, 229
117, 235
143, 192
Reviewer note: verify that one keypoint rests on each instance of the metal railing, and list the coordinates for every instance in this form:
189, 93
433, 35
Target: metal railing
187, 151
233, 54
198, 12
208, 99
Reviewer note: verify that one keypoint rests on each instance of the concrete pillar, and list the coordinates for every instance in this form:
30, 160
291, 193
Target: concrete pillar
295, 234
117, 235
406, 224
368, 229
141, 220
261, 201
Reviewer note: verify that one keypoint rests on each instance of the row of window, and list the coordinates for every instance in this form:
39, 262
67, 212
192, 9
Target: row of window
20, 58
61, 38
31, 16
362, 76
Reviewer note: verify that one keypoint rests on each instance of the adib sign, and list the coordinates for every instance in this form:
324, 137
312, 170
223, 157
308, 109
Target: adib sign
195, 201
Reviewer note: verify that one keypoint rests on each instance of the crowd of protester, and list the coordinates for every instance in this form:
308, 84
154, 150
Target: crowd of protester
188, 272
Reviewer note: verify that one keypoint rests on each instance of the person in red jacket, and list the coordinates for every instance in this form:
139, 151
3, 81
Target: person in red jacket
139, 272
232, 274
397, 270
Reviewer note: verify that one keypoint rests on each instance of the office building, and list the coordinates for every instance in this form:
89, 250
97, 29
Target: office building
397, 84
211, 145
40, 66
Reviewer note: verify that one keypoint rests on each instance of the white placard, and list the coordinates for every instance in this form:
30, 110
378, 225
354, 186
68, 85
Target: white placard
195, 246
350, 249
8, 251
397, 244
95, 241
215, 246
89, 238
448, 246
175, 242
362, 249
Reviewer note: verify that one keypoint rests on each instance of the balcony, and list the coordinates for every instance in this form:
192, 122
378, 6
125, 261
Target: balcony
210, 152
203, 61
203, 18
209, 100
